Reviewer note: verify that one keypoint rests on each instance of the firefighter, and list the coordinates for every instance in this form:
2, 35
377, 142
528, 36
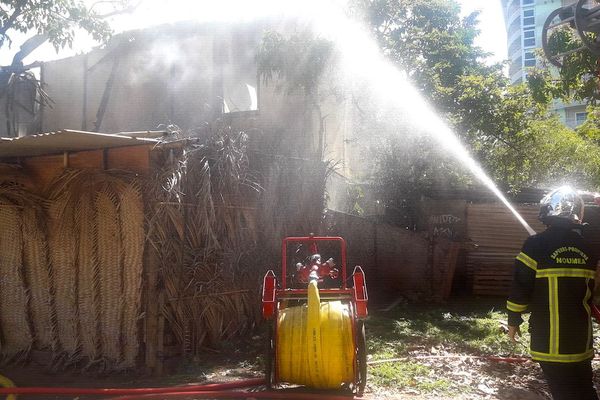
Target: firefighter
554, 280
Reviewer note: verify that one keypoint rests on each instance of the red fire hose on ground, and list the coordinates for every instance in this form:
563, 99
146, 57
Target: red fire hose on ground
212, 391
69, 391
238, 395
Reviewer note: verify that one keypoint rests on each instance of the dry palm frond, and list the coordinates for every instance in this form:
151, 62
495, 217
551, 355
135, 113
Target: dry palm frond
31, 265
17, 337
131, 215
293, 200
88, 281
11, 174
63, 255
202, 224
38, 273
77, 300
109, 244
86, 242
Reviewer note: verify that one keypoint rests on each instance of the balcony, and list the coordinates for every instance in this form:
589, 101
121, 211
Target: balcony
514, 27
514, 34
515, 70
510, 5
517, 77
515, 46
515, 66
514, 14
516, 58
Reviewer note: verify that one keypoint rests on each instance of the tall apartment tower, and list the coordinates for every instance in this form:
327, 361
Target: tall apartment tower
524, 21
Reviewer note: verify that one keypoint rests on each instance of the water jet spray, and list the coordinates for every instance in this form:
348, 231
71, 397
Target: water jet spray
362, 58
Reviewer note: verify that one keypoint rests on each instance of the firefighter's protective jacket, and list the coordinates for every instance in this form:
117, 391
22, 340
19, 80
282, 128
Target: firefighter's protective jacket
554, 279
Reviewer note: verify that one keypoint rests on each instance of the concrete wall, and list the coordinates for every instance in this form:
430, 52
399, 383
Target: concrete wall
19, 115
188, 76
403, 262
156, 80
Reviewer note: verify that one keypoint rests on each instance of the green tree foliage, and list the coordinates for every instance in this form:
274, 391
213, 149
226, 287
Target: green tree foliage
57, 19
550, 154
578, 78
296, 62
428, 40
501, 125
590, 129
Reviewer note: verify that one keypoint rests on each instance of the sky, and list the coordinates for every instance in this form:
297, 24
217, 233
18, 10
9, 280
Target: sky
492, 37
491, 22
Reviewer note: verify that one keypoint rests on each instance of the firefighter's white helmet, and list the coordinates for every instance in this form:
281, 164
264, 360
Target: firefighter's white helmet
563, 203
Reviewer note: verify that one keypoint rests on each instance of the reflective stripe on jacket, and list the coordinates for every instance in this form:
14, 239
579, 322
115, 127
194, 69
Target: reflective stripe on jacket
554, 279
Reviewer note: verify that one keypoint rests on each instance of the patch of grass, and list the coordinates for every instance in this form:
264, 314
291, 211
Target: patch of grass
469, 329
409, 376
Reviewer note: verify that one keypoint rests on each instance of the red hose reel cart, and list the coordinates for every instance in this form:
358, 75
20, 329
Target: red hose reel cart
334, 290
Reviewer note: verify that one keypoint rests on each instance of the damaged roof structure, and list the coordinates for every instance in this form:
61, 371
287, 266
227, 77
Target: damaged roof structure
150, 164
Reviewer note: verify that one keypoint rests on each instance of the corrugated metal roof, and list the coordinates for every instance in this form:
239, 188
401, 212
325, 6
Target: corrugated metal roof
70, 140
497, 233
482, 194
498, 238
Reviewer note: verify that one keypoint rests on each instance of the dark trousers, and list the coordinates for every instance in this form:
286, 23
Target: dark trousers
570, 381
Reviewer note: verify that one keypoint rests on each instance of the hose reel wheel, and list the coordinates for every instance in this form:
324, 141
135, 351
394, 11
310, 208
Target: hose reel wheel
270, 356
582, 18
361, 357
552, 24
587, 21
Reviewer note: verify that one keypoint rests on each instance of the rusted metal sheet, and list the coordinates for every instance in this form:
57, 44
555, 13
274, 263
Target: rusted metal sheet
496, 238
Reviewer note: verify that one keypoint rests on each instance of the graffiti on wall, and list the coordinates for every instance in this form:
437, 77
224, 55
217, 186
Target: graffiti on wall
446, 225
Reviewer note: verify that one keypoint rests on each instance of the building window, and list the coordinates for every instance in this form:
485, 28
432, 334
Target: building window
580, 118
529, 60
527, 2
528, 17
529, 38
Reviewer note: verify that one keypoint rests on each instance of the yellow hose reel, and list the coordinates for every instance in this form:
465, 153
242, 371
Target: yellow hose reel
315, 343
7, 383
316, 336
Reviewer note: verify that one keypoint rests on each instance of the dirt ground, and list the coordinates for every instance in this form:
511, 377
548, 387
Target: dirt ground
494, 378
468, 376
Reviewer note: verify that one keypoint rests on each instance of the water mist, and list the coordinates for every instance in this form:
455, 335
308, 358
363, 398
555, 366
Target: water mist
361, 59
